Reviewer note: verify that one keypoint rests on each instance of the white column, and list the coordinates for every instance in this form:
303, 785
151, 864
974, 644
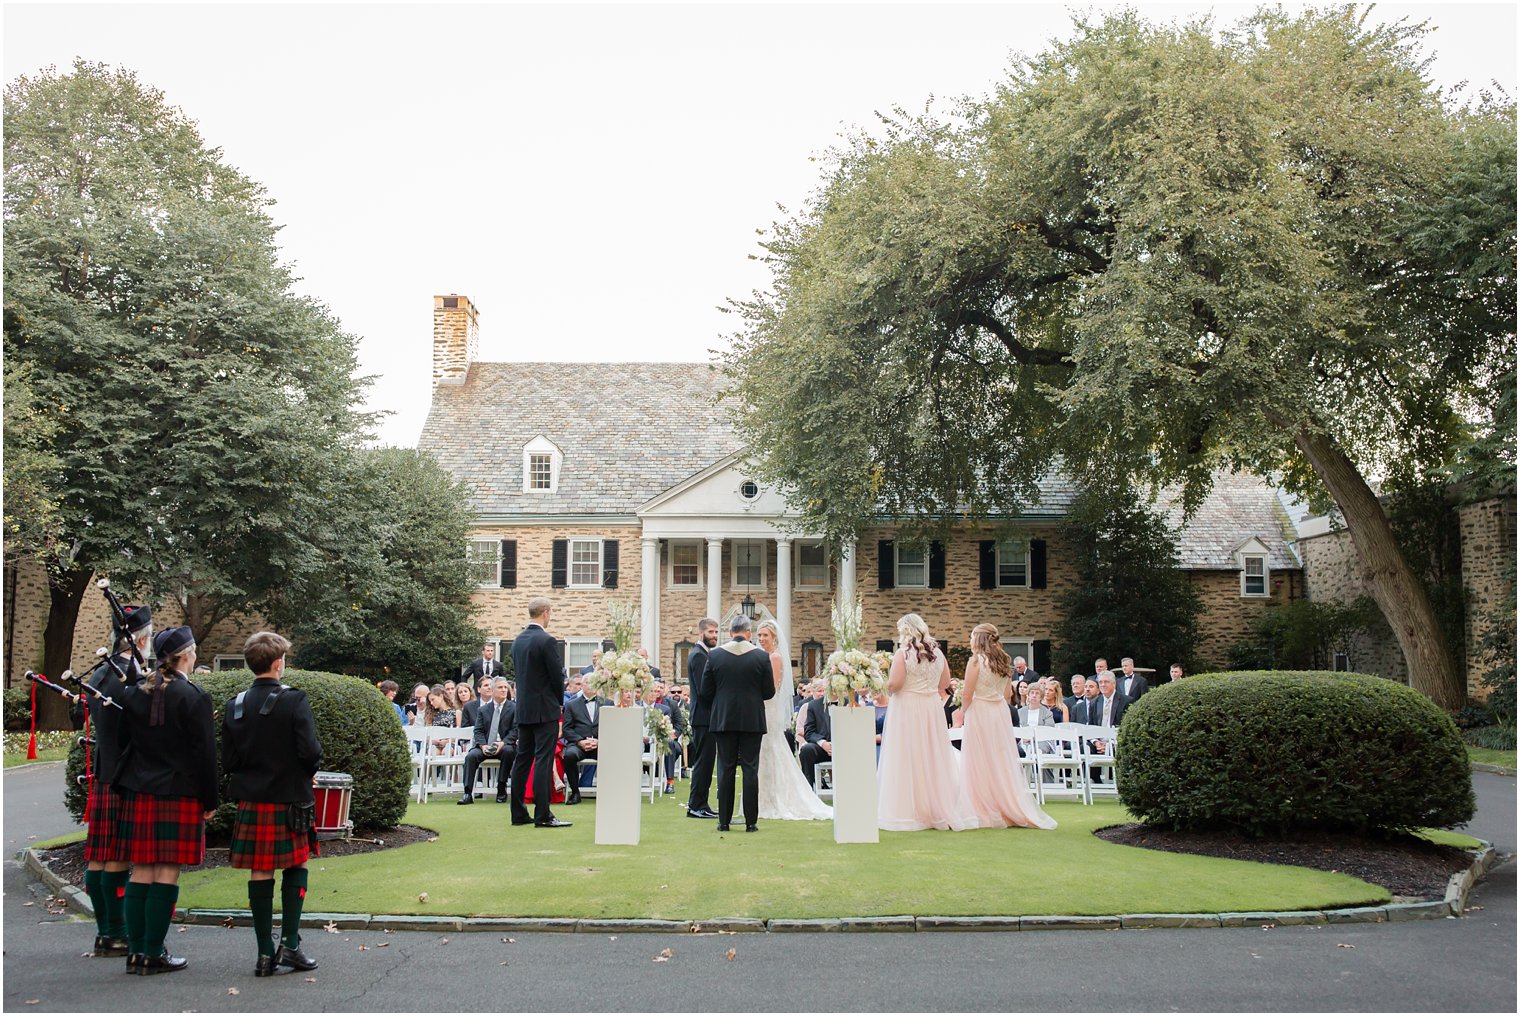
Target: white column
784, 594
649, 599
715, 577
847, 574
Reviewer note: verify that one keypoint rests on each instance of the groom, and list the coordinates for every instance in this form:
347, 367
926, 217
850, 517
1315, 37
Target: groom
735, 686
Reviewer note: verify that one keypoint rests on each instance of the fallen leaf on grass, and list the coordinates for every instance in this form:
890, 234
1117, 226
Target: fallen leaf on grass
228, 922
510, 941
331, 927
422, 897
233, 991
661, 959
1343, 945
667, 953
664, 887
29, 903
731, 954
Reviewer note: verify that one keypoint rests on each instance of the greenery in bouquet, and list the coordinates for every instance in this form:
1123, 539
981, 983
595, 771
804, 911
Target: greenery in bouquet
659, 730
622, 669
851, 671
956, 687
685, 722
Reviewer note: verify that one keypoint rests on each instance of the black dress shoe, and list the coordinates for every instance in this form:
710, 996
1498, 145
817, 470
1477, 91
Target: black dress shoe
134, 963
574, 798
722, 828
288, 957
706, 813
501, 798
751, 828
522, 821
554, 823
265, 967
466, 798
108, 945
162, 964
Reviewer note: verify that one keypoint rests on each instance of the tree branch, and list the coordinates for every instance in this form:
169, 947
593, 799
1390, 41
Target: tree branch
1024, 354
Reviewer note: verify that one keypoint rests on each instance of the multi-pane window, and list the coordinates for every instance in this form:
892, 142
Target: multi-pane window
812, 566
1254, 576
578, 653
749, 563
540, 471
1012, 563
1019, 647
484, 558
913, 566
586, 563
685, 564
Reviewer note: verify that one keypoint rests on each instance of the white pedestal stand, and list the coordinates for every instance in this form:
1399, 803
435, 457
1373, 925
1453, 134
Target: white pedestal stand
620, 744
854, 774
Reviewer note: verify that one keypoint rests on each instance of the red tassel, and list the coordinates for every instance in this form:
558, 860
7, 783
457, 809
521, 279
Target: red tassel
31, 744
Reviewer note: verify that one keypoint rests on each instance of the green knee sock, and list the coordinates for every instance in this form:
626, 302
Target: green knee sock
114, 883
158, 914
292, 896
134, 907
261, 902
97, 894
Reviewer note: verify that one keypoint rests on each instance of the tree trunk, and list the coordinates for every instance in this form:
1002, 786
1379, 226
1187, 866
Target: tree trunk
65, 593
1399, 593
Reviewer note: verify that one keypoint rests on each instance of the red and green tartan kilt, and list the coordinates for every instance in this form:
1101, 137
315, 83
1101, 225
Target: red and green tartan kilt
103, 813
262, 840
163, 830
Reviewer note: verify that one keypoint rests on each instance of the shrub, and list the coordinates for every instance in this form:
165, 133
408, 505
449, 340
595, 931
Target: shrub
1497, 737
1264, 753
18, 707
354, 724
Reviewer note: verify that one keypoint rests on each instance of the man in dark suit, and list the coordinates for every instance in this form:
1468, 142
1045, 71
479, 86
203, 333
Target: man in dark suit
1023, 672
701, 740
1075, 699
735, 685
819, 746
494, 738
484, 669
582, 722
1131, 684
1107, 709
540, 704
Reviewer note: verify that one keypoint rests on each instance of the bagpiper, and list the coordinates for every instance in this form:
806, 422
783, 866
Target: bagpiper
104, 849
169, 768
271, 752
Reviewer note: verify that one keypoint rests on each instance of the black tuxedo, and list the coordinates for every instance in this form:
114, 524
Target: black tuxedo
479, 671
506, 735
1029, 676
469, 713
1078, 709
735, 687
1138, 686
540, 704
702, 745
578, 726
271, 758
818, 728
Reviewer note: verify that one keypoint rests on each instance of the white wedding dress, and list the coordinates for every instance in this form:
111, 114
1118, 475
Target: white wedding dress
784, 792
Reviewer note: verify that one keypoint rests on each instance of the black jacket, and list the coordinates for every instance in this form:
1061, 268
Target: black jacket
1116, 711
1139, 686
270, 759
818, 726
735, 687
578, 722
508, 730
540, 676
696, 671
108, 725
176, 758
469, 713
479, 670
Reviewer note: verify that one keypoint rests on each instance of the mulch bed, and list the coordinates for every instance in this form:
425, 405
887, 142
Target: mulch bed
68, 862
1408, 867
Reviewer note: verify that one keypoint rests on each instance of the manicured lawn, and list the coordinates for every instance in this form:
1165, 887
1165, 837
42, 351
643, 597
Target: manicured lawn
52, 746
1492, 756
684, 869
45, 755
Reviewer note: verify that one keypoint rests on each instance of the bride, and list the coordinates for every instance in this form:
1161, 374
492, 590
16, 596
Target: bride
784, 792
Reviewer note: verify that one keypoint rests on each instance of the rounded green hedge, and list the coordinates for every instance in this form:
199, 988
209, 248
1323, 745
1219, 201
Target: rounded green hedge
360, 734
1266, 752
18, 707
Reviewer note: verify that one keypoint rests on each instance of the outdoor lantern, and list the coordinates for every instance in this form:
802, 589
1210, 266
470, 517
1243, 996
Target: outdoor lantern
748, 606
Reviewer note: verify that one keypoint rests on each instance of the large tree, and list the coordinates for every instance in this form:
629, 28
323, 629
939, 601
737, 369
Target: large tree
1152, 252
197, 402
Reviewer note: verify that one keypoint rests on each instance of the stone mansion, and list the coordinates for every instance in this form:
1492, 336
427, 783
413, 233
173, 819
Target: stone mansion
649, 500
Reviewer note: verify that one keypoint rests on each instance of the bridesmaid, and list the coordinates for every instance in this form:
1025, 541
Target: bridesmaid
919, 782
994, 775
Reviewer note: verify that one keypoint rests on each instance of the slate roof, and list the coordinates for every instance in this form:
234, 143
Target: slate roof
627, 431
630, 431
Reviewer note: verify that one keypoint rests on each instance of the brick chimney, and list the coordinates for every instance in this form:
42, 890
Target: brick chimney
456, 339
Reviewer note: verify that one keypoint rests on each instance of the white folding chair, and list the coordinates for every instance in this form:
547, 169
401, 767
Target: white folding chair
1101, 764
1027, 739
825, 793
443, 766
1061, 756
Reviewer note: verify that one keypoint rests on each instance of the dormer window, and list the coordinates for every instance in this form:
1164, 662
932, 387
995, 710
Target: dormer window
541, 464
1255, 575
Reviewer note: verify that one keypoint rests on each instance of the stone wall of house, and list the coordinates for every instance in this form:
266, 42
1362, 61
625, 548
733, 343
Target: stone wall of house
456, 338
1226, 617
26, 613
1488, 573
1333, 572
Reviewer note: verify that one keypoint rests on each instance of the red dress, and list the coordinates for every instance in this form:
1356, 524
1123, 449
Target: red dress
557, 796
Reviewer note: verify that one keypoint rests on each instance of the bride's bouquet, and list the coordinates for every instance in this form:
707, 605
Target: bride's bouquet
956, 685
659, 730
850, 670
622, 669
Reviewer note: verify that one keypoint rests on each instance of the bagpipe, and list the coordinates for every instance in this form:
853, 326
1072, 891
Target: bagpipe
120, 626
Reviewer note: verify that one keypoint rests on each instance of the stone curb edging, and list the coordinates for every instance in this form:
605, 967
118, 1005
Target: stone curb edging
1485, 767
1453, 906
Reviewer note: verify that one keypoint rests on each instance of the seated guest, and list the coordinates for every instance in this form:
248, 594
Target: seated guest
469, 707
818, 732
435, 712
654, 699
1078, 685
1089, 693
1130, 684
596, 657
389, 690
653, 670
417, 703
1106, 710
1033, 713
573, 687
495, 738
580, 730
1023, 672
1052, 700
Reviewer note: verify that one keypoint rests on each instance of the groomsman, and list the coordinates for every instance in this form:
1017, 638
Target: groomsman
485, 668
702, 744
1131, 684
540, 704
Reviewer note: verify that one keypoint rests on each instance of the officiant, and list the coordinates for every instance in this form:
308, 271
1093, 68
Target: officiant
735, 686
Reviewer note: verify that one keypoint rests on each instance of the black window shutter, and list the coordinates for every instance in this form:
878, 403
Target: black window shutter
559, 647
884, 646
1036, 564
509, 564
559, 563
986, 557
1041, 653
609, 564
886, 565
936, 565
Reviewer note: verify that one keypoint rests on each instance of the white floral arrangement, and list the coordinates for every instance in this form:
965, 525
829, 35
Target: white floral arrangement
622, 669
850, 670
957, 685
659, 730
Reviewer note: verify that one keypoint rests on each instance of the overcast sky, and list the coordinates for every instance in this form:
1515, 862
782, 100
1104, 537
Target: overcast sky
592, 177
